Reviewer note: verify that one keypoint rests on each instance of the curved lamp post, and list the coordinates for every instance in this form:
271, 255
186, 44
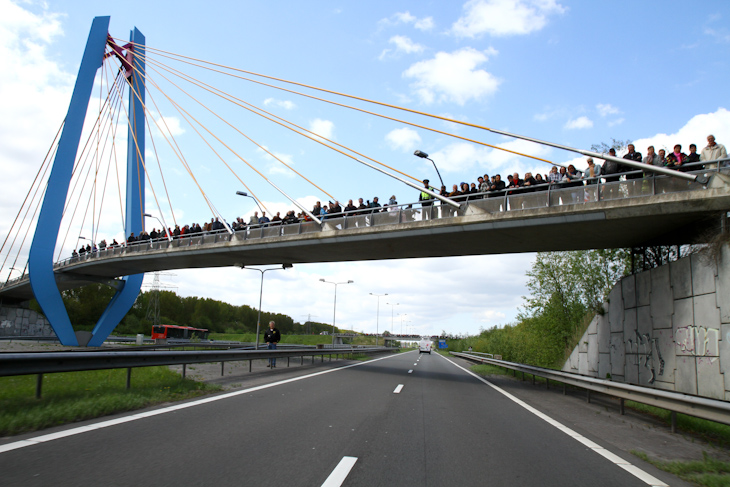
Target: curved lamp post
423, 155
243, 193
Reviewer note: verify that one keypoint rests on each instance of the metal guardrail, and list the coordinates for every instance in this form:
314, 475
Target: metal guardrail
51, 362
29, 363
676, 402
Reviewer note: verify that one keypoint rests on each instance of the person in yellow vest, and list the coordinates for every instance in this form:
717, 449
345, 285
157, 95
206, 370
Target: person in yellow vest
426, 199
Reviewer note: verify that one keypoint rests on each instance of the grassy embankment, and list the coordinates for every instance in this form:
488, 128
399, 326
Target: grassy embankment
709, 472
75, 396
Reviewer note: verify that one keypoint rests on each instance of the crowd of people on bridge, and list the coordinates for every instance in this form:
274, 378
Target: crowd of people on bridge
485, 187
610, 170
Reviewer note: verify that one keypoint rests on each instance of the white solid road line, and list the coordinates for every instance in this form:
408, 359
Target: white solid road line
105, 424
340, 473
615, 459
398, 389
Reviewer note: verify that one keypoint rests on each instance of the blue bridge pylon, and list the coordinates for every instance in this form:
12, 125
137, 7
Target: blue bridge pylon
40, 261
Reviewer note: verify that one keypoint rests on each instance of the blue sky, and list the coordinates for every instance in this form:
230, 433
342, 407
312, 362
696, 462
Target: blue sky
575, 73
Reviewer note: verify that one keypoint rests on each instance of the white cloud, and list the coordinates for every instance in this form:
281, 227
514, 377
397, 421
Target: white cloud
425, 23
285, 104
403, 45
582, 122
618, 121
406, 45
453, 77
323, 128
274, 166
171, 125
505, 17
404, 139
606, 109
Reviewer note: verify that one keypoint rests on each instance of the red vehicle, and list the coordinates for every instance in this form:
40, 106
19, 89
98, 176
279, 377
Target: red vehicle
160, 332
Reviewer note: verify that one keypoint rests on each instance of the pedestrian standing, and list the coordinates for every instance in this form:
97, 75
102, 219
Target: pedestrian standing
272, 336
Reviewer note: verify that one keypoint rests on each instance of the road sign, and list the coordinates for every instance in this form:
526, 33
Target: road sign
442, 344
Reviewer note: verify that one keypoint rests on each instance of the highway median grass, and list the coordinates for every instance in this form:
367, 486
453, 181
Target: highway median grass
76, 396
708, 472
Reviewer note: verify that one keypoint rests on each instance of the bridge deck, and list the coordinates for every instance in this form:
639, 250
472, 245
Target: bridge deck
574, 220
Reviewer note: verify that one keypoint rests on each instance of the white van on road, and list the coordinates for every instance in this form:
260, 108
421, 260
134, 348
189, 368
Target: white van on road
424, 346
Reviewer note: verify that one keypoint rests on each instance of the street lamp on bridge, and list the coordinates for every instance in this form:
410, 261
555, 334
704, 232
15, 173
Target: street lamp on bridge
243, 193
423, 155
377, 315
169, 237
334, 311
401, 321
261, 291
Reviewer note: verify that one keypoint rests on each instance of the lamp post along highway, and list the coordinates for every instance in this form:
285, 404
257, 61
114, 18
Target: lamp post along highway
392, 311
261, 292
243, 193
334, 310
377, 316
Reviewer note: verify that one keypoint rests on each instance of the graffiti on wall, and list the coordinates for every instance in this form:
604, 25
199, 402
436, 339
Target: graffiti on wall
698, 341
649, 356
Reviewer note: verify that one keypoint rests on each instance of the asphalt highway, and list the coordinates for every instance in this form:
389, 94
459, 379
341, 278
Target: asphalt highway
401, 420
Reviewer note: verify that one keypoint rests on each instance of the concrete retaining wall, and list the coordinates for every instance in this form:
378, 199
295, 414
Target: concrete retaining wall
667, 328
23, 322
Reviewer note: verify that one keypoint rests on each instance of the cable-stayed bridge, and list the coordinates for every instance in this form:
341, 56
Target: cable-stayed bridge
71, 194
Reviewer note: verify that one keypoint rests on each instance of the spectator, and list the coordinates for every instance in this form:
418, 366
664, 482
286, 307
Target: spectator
529, 181
254, 220
573, 176
553, 176
425, 198
375, 206
693, 156
455, 193
276, 220
632, 155
362, 209
540, 182
335, 208
350, 207
483, 183
712, 152
392, 201
82, 250
592, 172
652, 158
611, 167
497, 186
677, 159
662, 157
272, 336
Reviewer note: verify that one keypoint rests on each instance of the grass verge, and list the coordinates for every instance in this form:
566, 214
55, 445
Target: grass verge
76, 396
708, 472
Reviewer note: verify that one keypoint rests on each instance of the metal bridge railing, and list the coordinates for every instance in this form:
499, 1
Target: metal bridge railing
676, 402
587, 190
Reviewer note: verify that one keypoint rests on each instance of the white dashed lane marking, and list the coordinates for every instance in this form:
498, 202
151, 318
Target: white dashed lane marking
410, 371
398, 389
340, 473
